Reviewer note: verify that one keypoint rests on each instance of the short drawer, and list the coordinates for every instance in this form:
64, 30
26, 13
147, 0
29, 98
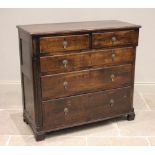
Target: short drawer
85, 60
115, 38
81, 109
66, 84
60, 44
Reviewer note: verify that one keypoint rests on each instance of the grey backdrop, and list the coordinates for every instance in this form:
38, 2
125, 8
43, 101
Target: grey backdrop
9, 18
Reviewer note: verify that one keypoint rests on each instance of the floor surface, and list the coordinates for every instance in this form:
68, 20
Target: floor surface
116, 132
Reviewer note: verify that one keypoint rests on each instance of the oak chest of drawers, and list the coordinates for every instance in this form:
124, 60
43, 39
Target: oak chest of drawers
76, 73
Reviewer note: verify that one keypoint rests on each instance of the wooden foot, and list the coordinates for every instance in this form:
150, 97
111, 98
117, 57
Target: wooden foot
40, 136
24, 119
131, 116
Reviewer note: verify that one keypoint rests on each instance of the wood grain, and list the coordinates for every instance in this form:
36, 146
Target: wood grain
86, 60
100, 40
85, 108
97, 82
85, 81
86, 26
55, 45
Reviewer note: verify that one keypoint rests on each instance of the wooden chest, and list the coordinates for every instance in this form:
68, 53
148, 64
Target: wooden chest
76, 73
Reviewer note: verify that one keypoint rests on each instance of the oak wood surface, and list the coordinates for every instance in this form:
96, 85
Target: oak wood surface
86, 60
95, 84
85, 81
85, 108
55, 45
105, 39
86, 26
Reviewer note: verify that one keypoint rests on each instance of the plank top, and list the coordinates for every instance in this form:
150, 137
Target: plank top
54, 28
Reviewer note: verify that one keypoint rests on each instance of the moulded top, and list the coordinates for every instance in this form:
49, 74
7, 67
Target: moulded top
54, 28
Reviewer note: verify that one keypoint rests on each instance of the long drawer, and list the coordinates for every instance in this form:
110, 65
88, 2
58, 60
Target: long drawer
71, 111
115, 38
85, 60
66, 84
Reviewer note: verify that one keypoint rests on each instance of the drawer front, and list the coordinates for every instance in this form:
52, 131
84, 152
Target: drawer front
116, 38
58, 44
85, 60
61, 85
71, 111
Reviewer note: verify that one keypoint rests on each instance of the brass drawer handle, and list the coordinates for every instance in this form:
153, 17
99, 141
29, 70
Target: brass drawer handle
113, 39
112, 77
65, 85
111, 102
66, 110
65, 62
113, 56
65, 43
